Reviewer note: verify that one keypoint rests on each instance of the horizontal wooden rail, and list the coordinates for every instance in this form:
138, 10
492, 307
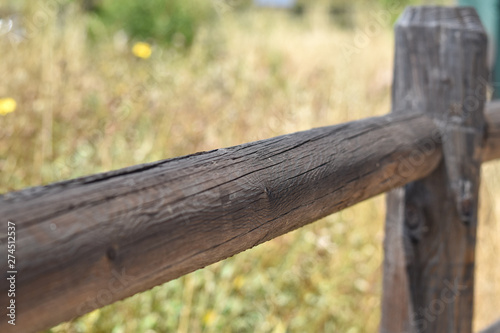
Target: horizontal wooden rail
85, 243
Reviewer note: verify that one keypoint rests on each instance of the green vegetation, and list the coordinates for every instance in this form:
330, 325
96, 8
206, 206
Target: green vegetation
90, 106
173, 21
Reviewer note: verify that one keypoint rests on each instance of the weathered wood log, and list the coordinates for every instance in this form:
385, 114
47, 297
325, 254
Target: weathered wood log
85, 243
440, 68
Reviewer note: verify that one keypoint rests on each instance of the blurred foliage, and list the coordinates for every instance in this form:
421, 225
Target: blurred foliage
343, 12
171, 22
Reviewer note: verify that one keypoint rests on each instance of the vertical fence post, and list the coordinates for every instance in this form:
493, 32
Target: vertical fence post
440, 69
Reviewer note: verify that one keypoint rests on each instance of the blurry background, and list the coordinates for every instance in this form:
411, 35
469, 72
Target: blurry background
94, 85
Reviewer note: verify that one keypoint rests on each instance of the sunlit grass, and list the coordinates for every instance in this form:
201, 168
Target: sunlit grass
88, 107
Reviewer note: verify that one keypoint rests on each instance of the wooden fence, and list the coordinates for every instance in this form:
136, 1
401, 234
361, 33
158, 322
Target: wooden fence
85, 243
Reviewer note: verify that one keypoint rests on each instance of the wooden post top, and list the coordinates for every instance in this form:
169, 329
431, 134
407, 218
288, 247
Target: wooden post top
456, 18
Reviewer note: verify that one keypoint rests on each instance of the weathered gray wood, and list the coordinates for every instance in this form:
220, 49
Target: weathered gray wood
440, 69
85, 243
88, 242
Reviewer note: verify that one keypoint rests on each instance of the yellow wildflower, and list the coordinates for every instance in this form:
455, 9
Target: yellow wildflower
209, 317
280, 328
7, 105
142, 50
92, 316
238, 282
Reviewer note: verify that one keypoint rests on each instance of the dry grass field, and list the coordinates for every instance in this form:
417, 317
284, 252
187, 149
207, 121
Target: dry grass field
89, 106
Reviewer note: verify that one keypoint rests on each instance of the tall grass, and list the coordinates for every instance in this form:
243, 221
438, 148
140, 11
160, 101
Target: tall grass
89, 107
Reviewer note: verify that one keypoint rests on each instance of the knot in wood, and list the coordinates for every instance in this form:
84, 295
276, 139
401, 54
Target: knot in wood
111, 253
414, 223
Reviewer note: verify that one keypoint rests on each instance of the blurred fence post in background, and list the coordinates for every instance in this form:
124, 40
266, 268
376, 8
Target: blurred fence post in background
439, 69
489, 12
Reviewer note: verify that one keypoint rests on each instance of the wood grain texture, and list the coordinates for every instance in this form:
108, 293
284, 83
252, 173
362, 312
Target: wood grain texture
85, 243
88, 242
440, 69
